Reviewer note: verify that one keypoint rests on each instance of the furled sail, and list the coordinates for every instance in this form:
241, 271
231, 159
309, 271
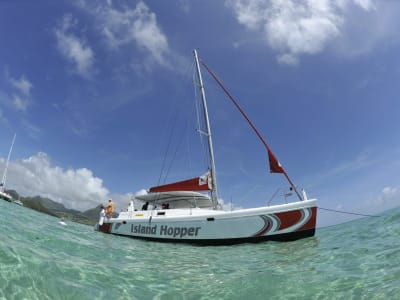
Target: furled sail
274, 165
201, 183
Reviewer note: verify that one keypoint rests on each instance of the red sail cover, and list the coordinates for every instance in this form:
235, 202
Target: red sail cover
194, 184
274, 165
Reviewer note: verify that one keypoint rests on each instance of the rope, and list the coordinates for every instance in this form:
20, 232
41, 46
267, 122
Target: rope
172, 128
261, 138
200, 124
348, 213
163, 166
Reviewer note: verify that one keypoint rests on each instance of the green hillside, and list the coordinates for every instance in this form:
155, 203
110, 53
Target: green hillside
55, 209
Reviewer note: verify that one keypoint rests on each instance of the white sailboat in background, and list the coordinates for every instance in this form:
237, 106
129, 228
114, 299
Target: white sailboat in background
3, 195
188, 210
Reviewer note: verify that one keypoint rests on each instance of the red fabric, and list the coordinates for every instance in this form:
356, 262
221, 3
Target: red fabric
185, 185
274, 165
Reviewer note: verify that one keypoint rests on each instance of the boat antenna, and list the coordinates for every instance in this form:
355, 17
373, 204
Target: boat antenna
208, 133
276, 167
3, 181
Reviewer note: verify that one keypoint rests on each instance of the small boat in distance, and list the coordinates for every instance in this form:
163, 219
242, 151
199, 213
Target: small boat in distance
3, 195
189, 211
18, 202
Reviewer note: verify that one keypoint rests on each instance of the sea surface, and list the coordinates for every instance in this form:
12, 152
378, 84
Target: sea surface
41, 259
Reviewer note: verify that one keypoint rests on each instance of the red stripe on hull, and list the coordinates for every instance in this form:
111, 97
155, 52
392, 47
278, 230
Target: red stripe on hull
312, 222
267, 226
289, 218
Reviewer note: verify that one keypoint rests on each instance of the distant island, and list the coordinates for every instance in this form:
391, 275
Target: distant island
55, 209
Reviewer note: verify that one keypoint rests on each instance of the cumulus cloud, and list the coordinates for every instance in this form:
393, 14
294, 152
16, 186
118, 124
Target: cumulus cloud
228, 206
295, 27
141, 192
74, 188
73, 48
129, 26
389, 198
147, 34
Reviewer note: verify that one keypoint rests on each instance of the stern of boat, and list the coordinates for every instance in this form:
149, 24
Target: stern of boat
105, 227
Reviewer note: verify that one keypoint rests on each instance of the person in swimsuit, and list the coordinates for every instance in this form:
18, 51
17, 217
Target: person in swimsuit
110, 209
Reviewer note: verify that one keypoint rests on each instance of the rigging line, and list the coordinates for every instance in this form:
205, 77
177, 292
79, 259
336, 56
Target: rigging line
200, 132
176, 151
189, 151
250, 123
349, 213
172, 126
200, 124
163, 166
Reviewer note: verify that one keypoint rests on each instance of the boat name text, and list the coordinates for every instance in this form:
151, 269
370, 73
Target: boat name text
166, 230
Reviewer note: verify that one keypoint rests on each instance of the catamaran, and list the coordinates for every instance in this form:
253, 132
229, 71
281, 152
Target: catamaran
189, 210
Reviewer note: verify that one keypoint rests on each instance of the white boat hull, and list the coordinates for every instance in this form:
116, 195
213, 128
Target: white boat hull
284, 222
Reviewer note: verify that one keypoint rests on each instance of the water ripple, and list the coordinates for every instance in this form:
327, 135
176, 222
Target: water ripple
39, 259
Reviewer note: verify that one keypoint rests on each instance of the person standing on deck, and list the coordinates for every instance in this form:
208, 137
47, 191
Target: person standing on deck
110, 209
102, 215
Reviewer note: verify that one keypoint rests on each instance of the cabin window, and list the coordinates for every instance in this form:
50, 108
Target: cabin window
161, 213
210, 219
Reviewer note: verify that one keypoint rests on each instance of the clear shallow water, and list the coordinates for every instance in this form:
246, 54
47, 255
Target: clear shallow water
41, 259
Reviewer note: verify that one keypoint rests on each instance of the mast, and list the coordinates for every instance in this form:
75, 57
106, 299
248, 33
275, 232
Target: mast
3, 181
208, 132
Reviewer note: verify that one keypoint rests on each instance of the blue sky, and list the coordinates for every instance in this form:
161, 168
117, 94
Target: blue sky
94, 90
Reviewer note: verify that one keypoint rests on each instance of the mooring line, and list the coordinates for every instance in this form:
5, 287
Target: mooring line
349, 213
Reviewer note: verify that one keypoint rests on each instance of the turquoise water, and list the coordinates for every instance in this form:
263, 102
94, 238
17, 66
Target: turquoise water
41, 259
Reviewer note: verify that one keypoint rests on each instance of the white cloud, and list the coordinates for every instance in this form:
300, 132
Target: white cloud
252, 14
20, 103
365, 4
138, 26
20, 97
228, 206
74, 188
369, 30
147, 34
389, 198
23, 85
74, 49
389, 190
32, 130
288, 58
141, 192
296, 27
